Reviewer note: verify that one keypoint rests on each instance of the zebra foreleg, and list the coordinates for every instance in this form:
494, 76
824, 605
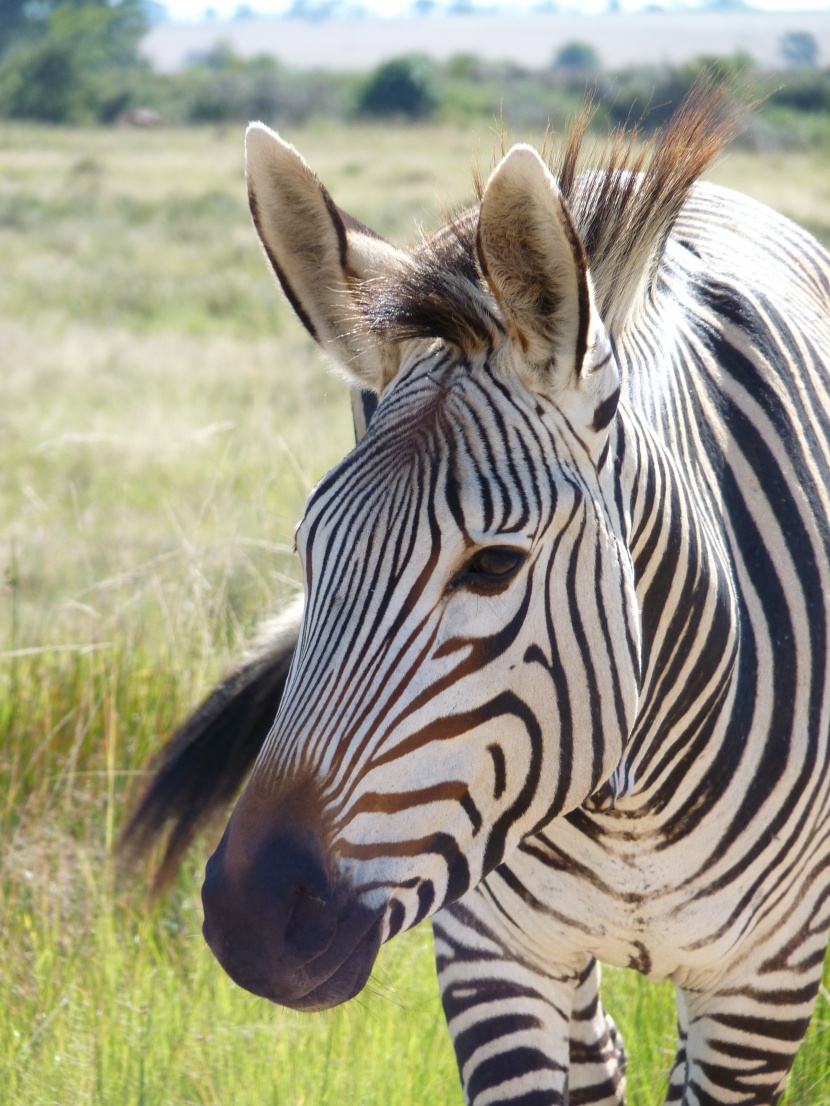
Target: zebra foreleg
742, 1040
510, 1020
597, 1052
680, 1068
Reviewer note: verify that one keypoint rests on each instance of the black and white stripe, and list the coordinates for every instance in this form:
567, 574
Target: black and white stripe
562, 677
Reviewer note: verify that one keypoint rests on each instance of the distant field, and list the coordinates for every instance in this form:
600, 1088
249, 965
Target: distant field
162, 419
528, 40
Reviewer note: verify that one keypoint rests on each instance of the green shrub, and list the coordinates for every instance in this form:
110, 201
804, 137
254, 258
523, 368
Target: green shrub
399, 87
221, 88
44, 81
805, 90
70, 62
577, 57
649, 95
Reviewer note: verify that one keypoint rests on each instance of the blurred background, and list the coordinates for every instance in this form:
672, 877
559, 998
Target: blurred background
141, 63
163, 417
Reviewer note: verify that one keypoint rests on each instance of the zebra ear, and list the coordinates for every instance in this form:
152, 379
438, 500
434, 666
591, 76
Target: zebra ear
536, 267
319, 254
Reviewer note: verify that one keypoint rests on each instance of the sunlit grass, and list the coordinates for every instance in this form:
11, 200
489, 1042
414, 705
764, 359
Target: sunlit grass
162, 419
111, 1001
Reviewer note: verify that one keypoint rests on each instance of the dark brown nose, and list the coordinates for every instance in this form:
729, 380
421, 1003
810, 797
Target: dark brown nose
274, 918
269, 913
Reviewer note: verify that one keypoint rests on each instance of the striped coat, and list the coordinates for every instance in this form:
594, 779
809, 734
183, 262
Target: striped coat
561, 680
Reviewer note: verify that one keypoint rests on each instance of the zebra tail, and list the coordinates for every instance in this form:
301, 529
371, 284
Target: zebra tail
202, 767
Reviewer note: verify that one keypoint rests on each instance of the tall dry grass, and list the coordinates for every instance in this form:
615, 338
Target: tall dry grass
162, 419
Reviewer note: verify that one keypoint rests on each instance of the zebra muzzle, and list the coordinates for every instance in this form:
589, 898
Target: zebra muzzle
277, 922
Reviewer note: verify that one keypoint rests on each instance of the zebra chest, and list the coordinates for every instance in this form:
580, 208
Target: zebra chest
618, 897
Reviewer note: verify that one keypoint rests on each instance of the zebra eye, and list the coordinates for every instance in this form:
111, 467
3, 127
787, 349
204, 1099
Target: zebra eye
490, 569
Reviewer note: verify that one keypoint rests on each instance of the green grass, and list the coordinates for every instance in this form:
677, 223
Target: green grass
162, 419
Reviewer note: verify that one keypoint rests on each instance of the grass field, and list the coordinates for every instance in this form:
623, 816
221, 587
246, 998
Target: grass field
162, 419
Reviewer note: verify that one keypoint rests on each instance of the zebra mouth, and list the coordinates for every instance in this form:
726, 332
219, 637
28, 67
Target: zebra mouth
333, 977
347, 979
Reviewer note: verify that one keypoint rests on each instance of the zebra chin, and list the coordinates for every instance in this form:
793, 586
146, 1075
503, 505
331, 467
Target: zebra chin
285, 985
278, 923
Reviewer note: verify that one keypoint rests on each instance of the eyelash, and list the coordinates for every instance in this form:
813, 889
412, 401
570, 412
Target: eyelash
490, 570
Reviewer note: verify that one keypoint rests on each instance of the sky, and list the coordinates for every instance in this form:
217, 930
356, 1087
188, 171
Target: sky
223, 9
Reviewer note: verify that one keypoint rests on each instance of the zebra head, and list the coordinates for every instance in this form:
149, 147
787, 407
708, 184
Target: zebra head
467, 667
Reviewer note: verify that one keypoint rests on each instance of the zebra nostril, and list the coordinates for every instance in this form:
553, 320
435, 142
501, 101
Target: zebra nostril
311, 925
289, 895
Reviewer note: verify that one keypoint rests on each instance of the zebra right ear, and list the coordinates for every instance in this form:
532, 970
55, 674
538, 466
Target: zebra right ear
320, 255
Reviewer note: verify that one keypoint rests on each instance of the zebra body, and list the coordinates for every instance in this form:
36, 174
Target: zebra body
561, 680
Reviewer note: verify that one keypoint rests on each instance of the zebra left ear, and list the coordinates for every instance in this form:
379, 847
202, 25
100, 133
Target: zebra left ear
535, 264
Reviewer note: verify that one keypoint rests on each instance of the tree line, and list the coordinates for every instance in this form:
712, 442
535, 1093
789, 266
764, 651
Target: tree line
77, 62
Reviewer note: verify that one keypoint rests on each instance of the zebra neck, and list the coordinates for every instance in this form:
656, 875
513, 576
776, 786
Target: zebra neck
689, 622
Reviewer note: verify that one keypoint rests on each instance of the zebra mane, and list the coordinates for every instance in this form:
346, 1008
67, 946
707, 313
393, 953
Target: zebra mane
624, 208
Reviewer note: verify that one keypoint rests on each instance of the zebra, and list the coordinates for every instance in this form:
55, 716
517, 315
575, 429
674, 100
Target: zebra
560, 681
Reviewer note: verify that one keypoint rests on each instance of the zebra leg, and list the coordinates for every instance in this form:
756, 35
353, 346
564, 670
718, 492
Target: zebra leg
677, 1079
741, 1041
597, 1052
509, 1019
